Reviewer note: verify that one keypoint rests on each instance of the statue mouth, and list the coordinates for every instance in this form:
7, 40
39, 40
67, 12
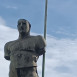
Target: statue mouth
22, 31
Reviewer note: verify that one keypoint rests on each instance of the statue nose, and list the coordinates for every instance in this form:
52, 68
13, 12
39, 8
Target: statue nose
21, 25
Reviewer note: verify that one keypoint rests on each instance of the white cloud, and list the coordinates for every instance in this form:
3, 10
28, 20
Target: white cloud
2, 22
12, 7
61, 55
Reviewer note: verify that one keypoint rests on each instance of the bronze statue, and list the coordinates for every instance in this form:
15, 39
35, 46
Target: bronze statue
24, 52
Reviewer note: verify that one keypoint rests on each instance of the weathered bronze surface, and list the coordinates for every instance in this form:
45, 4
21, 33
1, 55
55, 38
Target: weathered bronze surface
24, 52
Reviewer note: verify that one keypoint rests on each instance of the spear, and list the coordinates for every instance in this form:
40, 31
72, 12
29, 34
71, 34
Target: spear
45, 25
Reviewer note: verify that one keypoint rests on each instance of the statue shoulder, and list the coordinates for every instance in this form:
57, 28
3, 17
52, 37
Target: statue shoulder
7, 51
40, 37
37, 38
9, 43
41, 40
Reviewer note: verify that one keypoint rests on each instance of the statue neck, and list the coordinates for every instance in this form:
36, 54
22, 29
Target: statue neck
24, 35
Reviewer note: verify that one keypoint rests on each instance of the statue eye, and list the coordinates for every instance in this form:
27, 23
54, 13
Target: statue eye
24, 23
19, 23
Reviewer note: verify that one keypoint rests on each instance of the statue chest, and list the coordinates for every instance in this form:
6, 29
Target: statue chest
23, 53
24, 45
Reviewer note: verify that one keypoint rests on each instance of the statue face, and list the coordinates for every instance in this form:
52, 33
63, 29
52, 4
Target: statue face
23, 26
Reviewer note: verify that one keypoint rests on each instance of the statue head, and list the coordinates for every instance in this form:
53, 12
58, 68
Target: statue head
23, 26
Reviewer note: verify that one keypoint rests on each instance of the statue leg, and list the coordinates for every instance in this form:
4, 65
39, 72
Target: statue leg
12, 72
28, 72
18, 72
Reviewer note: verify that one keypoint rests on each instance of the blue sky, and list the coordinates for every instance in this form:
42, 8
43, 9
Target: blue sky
61, 53
62, 15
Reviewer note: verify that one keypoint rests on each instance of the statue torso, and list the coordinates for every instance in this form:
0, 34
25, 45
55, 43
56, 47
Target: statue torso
23, 52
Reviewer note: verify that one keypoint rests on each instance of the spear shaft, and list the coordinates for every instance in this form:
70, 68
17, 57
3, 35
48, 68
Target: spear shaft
45, 26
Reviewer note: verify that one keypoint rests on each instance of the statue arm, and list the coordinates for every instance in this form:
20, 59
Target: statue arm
41, 51
40, 46
6, 52
7, 57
